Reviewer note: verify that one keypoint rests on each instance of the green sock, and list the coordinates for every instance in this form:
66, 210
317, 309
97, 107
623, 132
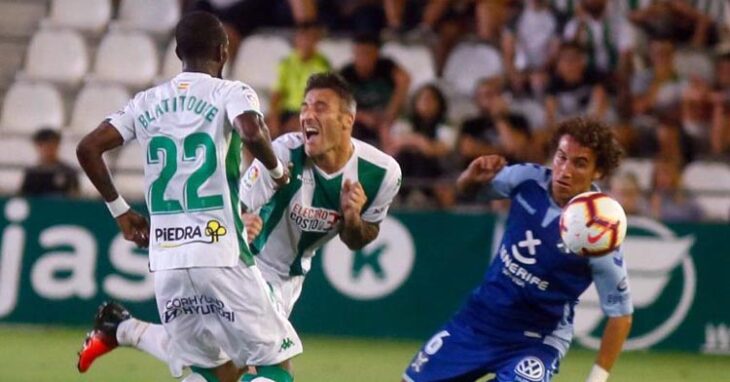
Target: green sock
271, 373
205, 373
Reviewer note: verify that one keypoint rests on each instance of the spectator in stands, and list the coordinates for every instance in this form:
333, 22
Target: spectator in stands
242, 17
575, 88
534, 37
50, 177
515, 140
294, 70
678, 20
422, 143
669, 201
671, 141
720, 97
659, 86
380, 87
625, 189
608, 38
478, 135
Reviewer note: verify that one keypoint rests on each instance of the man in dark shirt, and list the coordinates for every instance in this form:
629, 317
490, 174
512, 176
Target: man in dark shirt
380, 87
50, 176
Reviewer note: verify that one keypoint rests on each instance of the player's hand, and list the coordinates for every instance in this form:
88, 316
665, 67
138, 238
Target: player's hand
352, 199
253, 224
481, 170
135, 228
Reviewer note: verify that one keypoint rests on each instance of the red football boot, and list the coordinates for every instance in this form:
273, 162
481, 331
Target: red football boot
103, 337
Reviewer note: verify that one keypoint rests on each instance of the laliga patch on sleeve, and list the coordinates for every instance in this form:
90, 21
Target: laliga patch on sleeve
251, 177
251, 96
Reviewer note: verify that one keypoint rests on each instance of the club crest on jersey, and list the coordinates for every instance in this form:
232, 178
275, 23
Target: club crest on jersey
313, 219
173, 237
251, 176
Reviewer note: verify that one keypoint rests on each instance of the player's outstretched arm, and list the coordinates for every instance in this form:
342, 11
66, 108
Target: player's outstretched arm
480, 171
356, 233
256, 138
616, 331
89, 153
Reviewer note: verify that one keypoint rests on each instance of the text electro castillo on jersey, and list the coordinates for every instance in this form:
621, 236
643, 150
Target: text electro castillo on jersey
533, 282
300, 217
184, 126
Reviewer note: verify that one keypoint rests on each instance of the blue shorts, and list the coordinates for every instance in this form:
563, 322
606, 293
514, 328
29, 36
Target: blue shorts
459, 353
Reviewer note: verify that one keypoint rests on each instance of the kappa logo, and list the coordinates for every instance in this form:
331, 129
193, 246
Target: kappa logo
654, 255
531, 368
286, 344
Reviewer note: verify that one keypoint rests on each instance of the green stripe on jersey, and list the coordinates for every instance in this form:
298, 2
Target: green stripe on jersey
273, 210
371, 178
326, 195
233, 176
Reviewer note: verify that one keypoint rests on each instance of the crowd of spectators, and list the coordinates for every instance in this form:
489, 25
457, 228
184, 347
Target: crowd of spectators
658, 71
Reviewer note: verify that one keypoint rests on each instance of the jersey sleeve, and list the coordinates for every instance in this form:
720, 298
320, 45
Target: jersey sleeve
257, 186
612, 283
241, 98
123, 121
378, 209
510, 177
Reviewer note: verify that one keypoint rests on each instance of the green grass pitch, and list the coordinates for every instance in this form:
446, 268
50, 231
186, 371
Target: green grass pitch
32, 354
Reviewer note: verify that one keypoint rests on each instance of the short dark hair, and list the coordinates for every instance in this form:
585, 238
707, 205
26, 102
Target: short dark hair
46, 135
336, 83
516, 122
595, 135
198, 34
572, 45
443, 105
368, 38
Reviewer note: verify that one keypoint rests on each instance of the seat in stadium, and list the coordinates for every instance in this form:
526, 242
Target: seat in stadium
693, 63
89, 16
10, 180
715, 207
171, 65
258, 59
130, 185
338, 51
17, 151
29, 106
157, 17
707, 176
468, 63
59, 56
67, 150
131, 158
642, 168
415, 59
94, 103
128, 58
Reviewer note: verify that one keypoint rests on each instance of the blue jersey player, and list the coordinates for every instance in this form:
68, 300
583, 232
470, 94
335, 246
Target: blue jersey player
518, 323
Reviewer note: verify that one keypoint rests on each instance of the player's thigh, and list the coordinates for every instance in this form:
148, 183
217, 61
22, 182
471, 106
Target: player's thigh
192, 335
454, 353
254, 331
537, 363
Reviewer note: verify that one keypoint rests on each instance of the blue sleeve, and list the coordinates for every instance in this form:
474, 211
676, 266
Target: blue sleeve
510, 177
612, 283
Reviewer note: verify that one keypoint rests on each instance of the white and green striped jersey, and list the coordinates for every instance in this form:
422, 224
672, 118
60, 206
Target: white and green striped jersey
184, 126
305, 214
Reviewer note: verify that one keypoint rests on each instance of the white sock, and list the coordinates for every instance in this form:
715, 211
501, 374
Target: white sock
150, 338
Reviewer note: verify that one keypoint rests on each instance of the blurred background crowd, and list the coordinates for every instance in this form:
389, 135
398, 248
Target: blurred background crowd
438, 83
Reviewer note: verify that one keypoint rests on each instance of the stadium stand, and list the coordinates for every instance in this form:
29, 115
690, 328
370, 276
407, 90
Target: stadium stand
30, 105
93, 103
117, 50
59, 56
258, 59
88, 16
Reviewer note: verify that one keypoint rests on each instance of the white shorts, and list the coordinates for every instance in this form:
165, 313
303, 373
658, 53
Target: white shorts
286, 289
216, 314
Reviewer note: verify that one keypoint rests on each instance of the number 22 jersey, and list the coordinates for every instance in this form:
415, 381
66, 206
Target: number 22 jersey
184, 128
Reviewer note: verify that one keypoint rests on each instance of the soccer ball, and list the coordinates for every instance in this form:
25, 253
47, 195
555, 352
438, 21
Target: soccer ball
592, 224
